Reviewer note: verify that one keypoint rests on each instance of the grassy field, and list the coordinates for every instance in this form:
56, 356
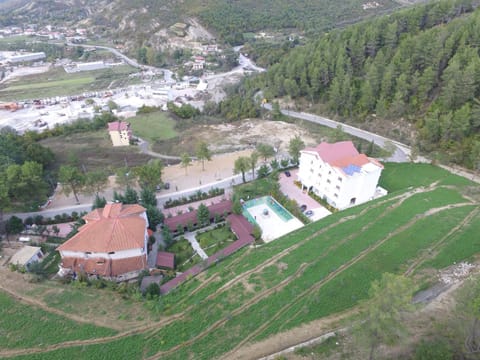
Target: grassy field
321, 269
153, 126
26, 326
94, 150
57, 82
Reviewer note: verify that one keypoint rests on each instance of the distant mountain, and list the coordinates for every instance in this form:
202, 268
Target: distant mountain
139, 21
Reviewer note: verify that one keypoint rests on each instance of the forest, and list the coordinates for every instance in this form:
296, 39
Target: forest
230, 19
421, 65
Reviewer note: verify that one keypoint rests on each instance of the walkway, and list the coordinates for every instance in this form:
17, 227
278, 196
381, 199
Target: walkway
190, 236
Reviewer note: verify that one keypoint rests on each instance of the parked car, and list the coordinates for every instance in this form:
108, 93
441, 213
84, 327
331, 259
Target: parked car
166, 186
287, 173
309, 213
303, 208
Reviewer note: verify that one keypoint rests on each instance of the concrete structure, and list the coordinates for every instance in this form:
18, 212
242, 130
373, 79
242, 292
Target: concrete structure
120, 133
339, 174
26, 256
112, 244
26, 57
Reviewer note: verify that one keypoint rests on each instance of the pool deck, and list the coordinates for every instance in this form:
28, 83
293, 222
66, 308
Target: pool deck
272, 225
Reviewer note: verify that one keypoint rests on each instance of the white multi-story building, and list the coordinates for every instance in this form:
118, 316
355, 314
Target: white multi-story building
120, 133
339, 174
112, 244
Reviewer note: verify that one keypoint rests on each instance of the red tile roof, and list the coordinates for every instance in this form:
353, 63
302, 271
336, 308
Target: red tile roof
332, 152
118, 126
165, 259
191, 217
116, 227
105, 267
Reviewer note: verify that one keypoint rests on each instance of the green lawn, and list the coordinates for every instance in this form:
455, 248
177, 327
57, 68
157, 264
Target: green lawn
214, 240
153, 126
57, 82
185, 256
24, 326
318, 270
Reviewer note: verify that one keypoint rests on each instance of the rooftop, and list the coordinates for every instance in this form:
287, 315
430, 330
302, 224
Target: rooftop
116, 227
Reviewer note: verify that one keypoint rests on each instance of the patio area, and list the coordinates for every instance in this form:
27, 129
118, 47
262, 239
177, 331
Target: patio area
288, 187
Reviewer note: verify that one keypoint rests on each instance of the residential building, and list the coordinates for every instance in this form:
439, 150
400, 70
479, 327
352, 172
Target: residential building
112, 244
26, 256
120, 133
339, 174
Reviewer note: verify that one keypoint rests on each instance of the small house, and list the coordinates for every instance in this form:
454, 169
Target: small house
27, 256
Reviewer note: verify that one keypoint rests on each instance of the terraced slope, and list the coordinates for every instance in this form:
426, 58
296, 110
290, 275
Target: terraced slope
325, 268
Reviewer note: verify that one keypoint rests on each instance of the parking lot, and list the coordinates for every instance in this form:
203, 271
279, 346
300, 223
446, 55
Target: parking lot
288, 187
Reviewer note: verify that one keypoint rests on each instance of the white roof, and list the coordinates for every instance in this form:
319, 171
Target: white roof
23, 256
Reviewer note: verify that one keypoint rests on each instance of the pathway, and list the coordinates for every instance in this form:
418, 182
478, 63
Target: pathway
190, 236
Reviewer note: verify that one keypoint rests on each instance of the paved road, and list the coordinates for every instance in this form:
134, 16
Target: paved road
226, 184
401, 153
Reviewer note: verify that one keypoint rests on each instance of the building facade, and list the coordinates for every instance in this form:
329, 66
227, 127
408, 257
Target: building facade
339, 174
120, 133
112, 244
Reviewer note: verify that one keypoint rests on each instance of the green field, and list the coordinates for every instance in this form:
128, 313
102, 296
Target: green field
321, 269
153, 126
94, 150
25, 326
57, 82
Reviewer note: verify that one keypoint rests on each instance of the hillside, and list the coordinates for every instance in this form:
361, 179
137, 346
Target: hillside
148, 20
430, 220
415, 73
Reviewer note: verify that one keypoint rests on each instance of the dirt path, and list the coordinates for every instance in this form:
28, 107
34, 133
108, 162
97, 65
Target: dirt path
238, 350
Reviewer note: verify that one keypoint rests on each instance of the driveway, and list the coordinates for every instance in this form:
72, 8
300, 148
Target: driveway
288, 187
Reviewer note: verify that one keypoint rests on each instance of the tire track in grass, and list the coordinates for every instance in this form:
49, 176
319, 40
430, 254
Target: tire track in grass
433, 250
330, 277
286, 281
155, 326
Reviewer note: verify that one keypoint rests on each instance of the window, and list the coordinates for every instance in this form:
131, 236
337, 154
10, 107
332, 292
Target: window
336, 195
338, 187
340, 179
111, 253
329, 172
328, 181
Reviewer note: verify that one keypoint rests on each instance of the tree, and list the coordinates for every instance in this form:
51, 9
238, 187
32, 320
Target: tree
185, 161
125, 177
241, 165
148, 197
390, 298
276, 112
203, 214
263, 171
203, 153
96, 182
149, 175
294, 146
72, 180
154, 216
253, 162
266, 151
14, 225
99, 202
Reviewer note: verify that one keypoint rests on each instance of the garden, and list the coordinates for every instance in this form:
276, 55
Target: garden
214, 240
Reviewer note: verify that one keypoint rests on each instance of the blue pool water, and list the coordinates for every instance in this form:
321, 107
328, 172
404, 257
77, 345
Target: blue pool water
269, 202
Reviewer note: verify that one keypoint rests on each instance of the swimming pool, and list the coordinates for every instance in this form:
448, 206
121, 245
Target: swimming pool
272, 204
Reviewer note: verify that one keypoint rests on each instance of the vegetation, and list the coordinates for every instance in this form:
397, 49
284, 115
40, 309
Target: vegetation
41, 86
420, 64
323, 268
153, 126
199, 195
214, 240
28, 326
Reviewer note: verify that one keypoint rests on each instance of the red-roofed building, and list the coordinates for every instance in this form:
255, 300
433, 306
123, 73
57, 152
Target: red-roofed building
112, 244
339, 174
219, 209
120, 133
165, 260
